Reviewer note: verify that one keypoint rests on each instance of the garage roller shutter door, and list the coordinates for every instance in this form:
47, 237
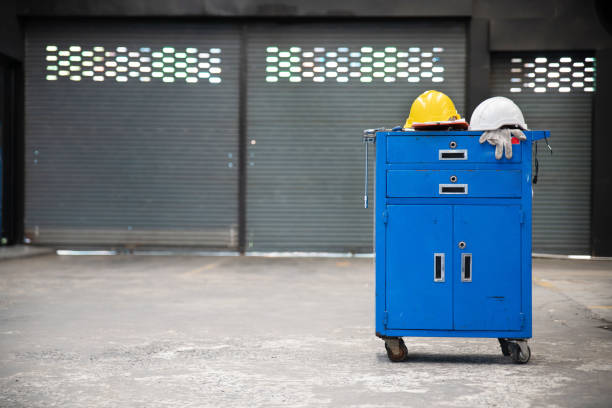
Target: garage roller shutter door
132, 134
312, 89
555, 92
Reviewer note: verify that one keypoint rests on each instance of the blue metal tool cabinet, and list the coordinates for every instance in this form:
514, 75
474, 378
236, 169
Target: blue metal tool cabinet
453, 239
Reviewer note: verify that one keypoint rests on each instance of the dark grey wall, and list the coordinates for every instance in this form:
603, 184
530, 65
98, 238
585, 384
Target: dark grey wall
11, 35
11, 115
479, 64
496, 25
246, 8
11, 142
601, 228
523, 25
519, 25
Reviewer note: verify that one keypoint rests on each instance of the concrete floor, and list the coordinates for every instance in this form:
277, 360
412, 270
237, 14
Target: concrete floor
135, 331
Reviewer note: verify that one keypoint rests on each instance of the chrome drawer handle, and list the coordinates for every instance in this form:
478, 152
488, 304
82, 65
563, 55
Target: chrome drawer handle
456, 154
452, 188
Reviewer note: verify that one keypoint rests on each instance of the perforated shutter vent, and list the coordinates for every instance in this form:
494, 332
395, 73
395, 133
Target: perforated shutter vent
308, 105
562, 197
128, 147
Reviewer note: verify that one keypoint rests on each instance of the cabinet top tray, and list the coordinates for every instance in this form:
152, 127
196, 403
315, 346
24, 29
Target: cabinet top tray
532, 135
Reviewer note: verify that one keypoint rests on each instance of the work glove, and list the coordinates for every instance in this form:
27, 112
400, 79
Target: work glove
502, 139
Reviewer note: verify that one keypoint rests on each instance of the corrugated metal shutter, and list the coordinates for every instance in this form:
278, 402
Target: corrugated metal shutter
116, 153
555, 92
305, 157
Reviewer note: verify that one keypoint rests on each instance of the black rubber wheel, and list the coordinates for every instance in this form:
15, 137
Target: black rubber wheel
504, 347
403, 354
517, 354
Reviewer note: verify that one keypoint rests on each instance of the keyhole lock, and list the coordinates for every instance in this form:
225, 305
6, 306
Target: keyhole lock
453, 179
453, 144
461, 244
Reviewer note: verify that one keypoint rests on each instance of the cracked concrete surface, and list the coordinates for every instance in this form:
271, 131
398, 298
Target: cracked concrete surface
136, 331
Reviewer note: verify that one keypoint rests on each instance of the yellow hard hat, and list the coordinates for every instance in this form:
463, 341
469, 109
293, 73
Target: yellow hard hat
432, 106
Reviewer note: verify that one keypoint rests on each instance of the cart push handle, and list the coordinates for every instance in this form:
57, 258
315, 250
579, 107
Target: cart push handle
369, 136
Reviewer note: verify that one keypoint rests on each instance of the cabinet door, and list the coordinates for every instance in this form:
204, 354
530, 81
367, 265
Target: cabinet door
419, 282
487, 278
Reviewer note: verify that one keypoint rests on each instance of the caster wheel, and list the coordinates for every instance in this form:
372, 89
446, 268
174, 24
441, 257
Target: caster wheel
503, 343
520, 355
396, 349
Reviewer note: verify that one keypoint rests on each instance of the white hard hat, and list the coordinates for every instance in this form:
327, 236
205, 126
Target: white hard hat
493, 113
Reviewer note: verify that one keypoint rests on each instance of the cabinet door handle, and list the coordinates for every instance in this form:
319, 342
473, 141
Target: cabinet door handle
466, 267
439, 267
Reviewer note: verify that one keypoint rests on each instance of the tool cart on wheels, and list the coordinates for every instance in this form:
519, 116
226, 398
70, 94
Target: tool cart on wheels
452, 239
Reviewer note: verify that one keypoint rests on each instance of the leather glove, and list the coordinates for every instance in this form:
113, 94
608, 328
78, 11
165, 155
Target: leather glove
502, 140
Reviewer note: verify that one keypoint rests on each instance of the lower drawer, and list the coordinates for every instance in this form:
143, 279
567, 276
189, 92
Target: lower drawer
454, 183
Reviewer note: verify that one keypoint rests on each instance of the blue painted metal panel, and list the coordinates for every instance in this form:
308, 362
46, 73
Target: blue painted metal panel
413, 220
524, 334
415, 234
467, 183
491, 299
380, 234
431, 148
539, 135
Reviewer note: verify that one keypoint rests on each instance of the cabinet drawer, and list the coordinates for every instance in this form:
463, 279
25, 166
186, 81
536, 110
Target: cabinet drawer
438, 149
454, 183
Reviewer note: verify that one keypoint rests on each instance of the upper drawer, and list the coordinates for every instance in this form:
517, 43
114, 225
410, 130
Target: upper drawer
454, 183
439, 149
